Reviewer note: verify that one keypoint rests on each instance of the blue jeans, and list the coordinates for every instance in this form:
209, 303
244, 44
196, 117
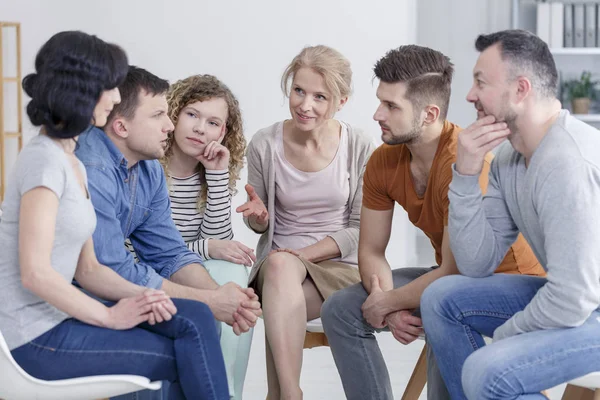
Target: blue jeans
236, 349
458, 311
354, 347
184, 351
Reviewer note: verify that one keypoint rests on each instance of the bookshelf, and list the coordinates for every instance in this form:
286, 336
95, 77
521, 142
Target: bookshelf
8, 82
576, 51
570, 61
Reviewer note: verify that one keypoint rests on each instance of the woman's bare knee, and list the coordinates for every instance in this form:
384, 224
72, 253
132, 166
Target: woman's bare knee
282, 268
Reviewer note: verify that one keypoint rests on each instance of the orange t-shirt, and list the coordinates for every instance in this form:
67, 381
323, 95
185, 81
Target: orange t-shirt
388, 179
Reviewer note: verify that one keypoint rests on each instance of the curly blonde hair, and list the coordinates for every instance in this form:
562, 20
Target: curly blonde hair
201, 88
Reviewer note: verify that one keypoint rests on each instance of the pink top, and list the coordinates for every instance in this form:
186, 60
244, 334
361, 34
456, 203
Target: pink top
310, 206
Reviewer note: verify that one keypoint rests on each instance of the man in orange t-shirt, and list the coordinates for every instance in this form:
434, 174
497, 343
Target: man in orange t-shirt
414, 169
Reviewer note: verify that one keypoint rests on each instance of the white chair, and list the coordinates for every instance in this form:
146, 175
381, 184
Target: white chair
314, 325
16, 384
585, 388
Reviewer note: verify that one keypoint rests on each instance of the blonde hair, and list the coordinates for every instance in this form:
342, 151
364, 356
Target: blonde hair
325, 61
201, 88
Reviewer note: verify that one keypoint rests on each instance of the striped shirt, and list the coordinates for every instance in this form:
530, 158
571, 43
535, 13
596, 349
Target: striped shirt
214, 222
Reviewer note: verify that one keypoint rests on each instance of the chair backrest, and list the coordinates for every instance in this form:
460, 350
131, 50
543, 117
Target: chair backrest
16, 384
13, 376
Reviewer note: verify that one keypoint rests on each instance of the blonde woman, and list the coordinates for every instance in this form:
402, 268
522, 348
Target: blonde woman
202, 162
305, 196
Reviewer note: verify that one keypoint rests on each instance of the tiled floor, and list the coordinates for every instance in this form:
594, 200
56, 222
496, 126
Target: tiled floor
320, 379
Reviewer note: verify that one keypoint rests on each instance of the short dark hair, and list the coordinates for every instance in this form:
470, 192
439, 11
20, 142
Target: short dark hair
427, 73
528, 55
136, 81
72, 70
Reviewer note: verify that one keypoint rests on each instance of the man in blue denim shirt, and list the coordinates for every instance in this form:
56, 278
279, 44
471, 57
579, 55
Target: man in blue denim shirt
129, 192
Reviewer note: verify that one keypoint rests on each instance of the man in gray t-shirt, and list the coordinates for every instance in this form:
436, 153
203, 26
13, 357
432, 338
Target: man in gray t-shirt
546, 331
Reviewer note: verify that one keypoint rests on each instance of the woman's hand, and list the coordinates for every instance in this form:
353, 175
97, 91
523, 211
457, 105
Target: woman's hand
151, 306
254, 209
232, 251
291, 251
214, 157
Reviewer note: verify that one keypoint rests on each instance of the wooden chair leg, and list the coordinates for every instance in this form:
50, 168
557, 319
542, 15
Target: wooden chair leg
417, 380
573, 392
315, 339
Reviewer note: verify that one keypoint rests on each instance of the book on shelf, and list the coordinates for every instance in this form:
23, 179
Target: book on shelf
578, 25
557, 30
568, 25
543, 22
597, 25
590, 25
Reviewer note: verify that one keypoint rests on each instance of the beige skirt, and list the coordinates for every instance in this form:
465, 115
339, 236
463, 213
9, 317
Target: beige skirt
328, 276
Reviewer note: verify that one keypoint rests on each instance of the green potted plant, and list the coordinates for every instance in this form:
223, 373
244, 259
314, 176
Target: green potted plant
581, 92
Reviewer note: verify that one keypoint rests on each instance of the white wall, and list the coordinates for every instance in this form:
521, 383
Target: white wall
452, 27
245, 43
437, 27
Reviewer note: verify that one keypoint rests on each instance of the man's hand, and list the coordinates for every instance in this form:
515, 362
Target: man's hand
405, 327
235, 306
247, 314
476, 141
374, 309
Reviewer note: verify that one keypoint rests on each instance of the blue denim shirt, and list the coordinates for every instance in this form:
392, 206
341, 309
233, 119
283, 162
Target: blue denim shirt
131, 203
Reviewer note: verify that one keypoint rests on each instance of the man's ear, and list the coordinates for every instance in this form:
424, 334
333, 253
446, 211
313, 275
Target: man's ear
432, 114
523, 87
119, 127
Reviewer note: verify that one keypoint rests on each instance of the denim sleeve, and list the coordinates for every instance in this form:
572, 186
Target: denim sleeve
157, 242
109, 239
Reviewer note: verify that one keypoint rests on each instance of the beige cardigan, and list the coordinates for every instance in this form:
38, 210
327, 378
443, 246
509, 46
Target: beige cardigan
261, 175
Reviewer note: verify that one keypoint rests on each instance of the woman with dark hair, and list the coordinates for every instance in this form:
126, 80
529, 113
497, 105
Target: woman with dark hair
54, 330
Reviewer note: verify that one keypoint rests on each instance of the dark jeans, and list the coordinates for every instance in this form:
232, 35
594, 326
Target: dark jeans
184, 351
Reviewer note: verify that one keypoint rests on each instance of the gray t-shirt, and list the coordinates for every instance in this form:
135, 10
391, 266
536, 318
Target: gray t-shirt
555, 203
42, 163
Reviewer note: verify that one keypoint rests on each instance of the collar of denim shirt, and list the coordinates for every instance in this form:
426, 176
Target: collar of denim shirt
97, 136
